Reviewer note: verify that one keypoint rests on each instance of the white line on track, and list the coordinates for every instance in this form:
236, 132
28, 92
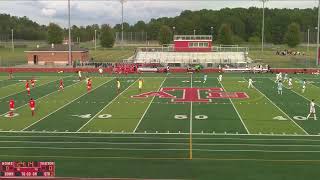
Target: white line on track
281, 110
169, 143
145, 112
244, 125
166, 149
65, 105
106, 106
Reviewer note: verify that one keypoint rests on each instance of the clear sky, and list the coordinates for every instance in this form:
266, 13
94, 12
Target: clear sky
86, 12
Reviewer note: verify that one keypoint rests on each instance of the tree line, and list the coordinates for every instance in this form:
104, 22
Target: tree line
227, 26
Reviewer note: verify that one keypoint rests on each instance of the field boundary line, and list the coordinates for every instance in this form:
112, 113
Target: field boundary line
244, 125
40, 97
24, 89
280, 109
164, 133
66, 105
145, 112
106, 106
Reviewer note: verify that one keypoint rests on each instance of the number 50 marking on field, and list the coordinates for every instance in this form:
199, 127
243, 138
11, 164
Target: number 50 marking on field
198, 117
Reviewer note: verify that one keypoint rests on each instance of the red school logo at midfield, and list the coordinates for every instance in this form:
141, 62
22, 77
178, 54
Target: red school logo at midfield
193, 94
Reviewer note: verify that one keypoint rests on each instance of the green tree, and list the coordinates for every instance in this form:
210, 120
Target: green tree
107, 38
55, 34
165, 35
254, 40
293, 35
225, 35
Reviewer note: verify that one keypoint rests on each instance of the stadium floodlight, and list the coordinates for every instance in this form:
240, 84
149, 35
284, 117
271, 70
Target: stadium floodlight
12, 44
69, 38
95, 39
318, 31
122, 3
262, 29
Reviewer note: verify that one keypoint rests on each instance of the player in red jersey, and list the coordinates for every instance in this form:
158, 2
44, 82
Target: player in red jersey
32, 105
33, 82
89, 85
28, 87
61, 85
11, 107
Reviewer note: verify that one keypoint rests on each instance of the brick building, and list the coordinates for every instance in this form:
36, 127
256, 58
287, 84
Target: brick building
56, 55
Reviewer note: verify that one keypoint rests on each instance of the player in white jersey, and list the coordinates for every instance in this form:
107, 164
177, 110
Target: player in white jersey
290, 83
280, 76
312, 110
304, 84
250, 83
280, 85
205, 76
285, 77
80, 76
277, 77
220, 77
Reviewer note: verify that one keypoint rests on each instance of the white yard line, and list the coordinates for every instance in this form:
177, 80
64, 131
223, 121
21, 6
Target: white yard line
280, 109
145, 112
39, 98
106, 106
244, 125
24, 89
65, 105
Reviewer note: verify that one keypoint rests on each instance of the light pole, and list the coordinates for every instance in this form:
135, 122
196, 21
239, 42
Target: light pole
12, 44
318, 28
174, 31
308, 40
69, 27
194, 32
122, 2
211, 28
95, 39
262, 31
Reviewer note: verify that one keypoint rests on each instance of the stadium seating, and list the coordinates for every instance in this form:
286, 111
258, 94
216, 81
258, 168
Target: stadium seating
191, 57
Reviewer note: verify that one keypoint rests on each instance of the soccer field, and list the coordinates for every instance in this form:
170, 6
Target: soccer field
228, 129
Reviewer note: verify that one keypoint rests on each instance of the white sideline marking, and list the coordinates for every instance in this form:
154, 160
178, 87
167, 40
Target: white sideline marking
281, 110
244, 125
145, 112
105, 107
64, 106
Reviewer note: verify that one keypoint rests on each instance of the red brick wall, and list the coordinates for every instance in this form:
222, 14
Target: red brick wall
57, 57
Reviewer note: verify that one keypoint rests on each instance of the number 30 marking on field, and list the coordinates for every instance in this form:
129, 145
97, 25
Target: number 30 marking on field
198, 117
300, 118
104, 116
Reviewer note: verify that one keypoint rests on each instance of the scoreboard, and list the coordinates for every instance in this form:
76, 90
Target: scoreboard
27, 169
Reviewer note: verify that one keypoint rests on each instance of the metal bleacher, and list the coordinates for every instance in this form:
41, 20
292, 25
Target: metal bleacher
216, 56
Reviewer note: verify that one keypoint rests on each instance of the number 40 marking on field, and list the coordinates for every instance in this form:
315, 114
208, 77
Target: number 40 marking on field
88, 116
299, 118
